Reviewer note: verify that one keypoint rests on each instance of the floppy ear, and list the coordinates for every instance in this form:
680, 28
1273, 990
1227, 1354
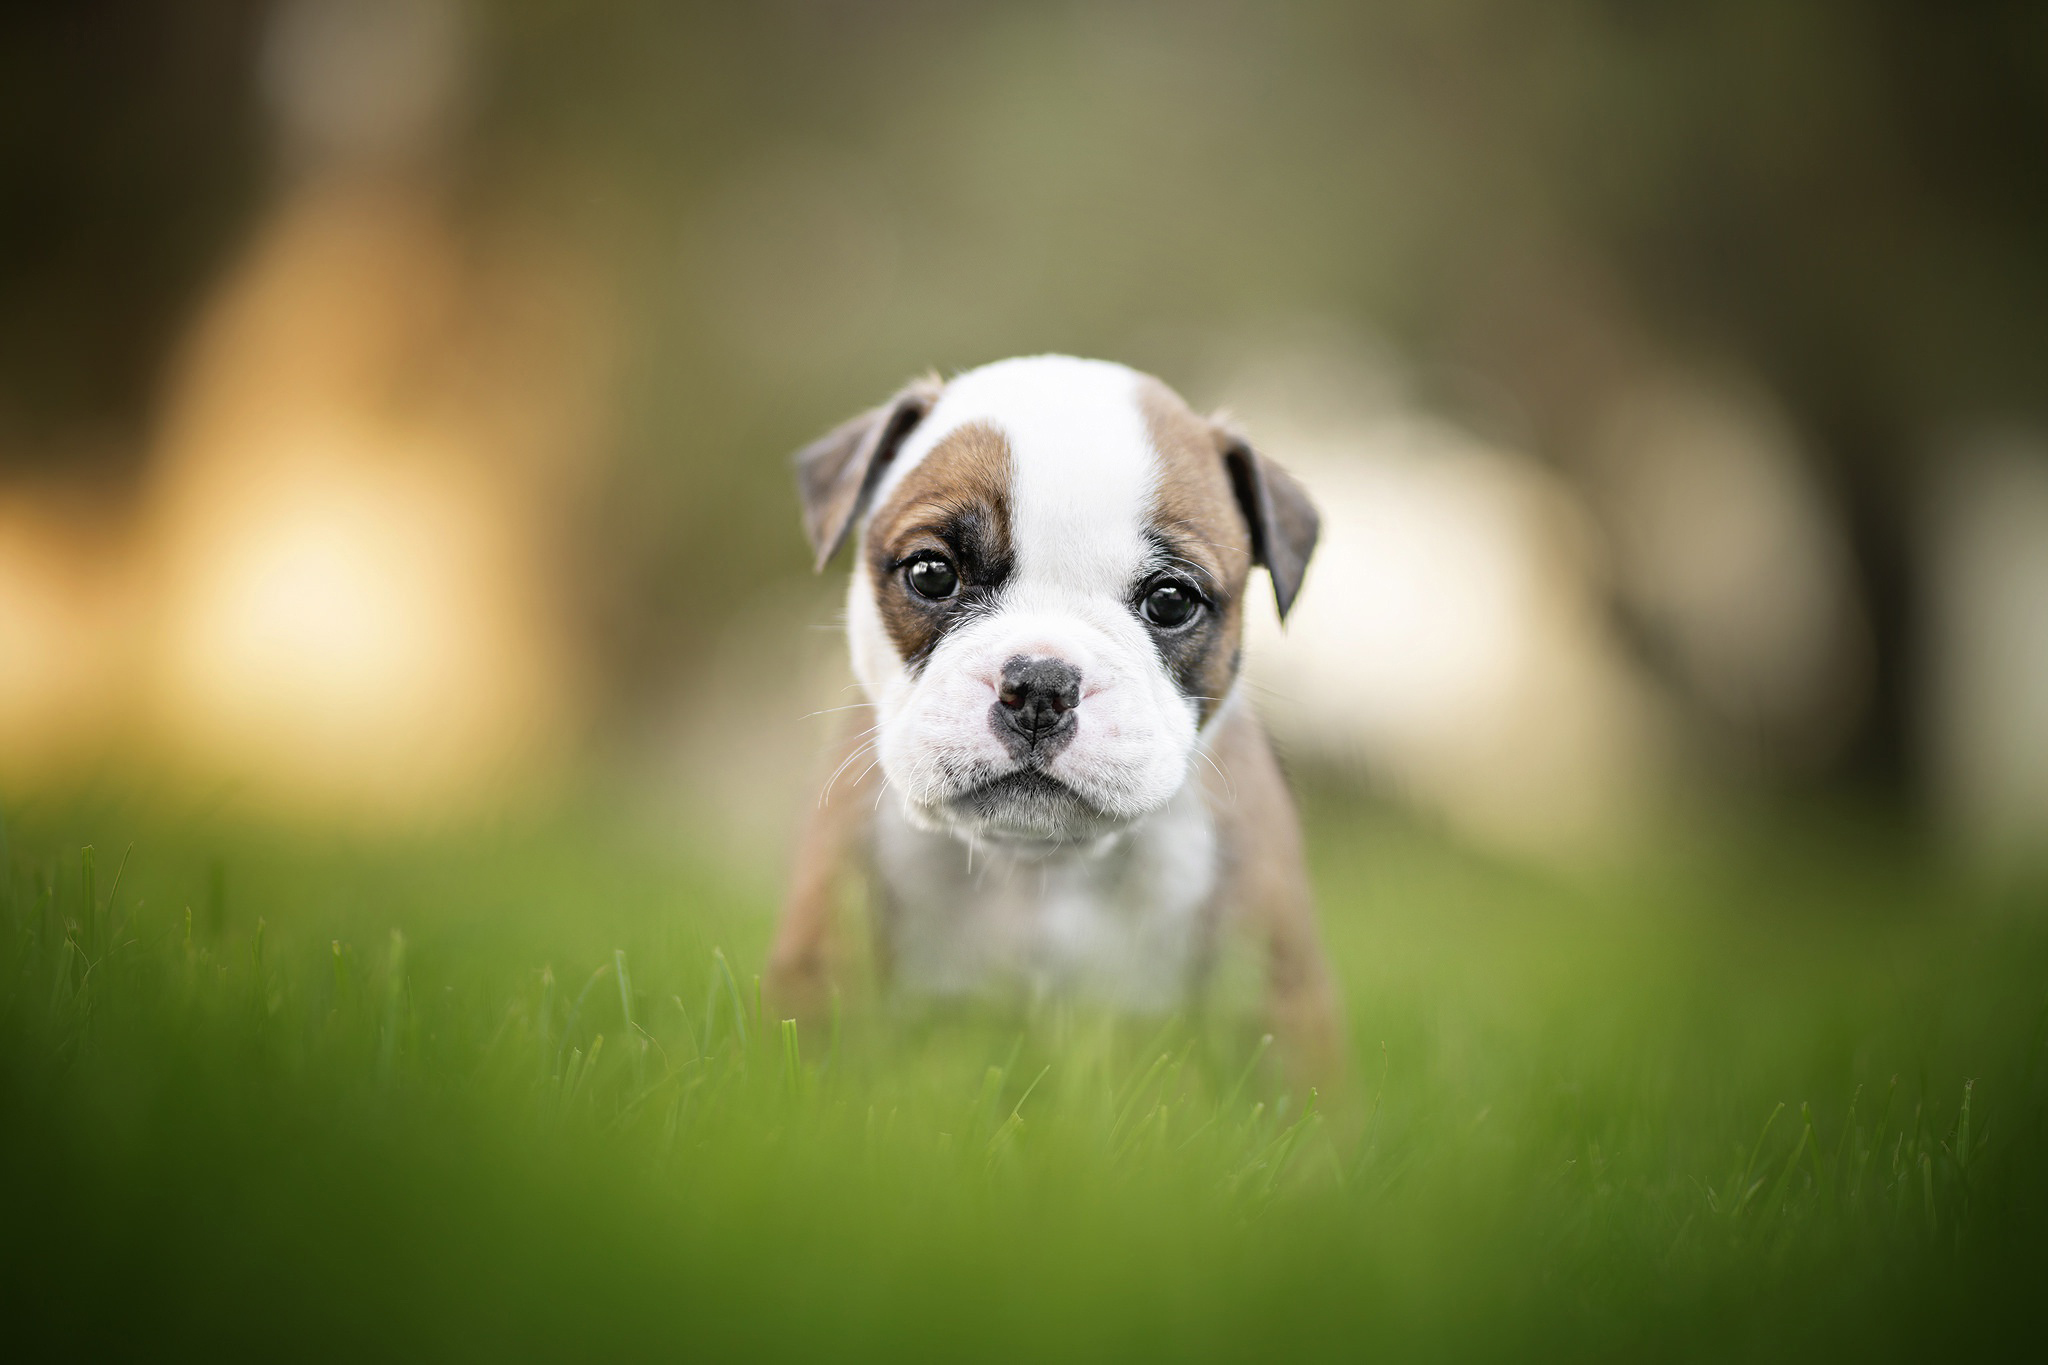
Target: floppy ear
1283, 521
836, 474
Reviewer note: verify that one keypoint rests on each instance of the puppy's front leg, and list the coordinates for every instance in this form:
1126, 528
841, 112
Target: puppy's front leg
1302, 1004
1266, 883
801, 962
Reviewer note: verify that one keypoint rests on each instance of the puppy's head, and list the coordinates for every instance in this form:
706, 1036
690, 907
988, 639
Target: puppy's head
1046, 599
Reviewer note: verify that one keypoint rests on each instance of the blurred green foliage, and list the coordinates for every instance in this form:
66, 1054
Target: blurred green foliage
510, 1095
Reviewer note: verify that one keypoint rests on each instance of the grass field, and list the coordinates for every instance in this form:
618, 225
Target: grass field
508, 1094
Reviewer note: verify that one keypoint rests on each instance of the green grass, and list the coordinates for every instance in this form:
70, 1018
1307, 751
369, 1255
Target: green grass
510, 1094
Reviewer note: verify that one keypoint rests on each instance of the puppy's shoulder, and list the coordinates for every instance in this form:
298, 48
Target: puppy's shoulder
1246, 788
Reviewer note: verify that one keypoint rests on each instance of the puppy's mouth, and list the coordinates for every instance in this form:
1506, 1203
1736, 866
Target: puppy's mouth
1030, 803
1025, 784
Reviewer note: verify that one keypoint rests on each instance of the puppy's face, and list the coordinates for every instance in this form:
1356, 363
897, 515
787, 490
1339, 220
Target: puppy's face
1046, 602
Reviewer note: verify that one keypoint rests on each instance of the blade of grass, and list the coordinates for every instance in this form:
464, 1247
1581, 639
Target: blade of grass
576, 1010
394, 1005
1137, 1093
1743, 1185
547, 1059
1791, 1162
1244, 1077
732, 991
1963, 1131
639, 1053
792, 1061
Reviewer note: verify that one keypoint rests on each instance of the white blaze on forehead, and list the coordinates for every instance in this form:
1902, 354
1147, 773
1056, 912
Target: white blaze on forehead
1082, 458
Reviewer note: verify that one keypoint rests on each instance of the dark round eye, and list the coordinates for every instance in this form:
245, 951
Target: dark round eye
931, 576
1168, 604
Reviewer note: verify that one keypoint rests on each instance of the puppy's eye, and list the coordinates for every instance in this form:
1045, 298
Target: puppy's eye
932, 577
1169, 604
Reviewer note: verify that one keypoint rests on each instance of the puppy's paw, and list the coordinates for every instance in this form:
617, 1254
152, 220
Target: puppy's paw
797, 988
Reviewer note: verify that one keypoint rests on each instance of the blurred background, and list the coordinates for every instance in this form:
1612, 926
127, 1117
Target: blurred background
396, 395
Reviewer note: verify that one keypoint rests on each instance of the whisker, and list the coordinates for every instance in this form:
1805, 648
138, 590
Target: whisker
864, 776
863, 734
831, 710
844, 764
1229, 787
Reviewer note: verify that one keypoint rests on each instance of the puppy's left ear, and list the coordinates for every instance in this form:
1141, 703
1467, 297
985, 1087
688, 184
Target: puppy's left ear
837, 474
1283, 521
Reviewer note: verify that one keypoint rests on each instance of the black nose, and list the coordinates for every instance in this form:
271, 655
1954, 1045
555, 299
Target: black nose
1037, 699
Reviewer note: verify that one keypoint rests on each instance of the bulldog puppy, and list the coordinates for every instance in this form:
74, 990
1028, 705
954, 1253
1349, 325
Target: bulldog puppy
1056, 785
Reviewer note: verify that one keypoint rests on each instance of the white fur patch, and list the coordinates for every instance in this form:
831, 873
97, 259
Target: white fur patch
1118, 923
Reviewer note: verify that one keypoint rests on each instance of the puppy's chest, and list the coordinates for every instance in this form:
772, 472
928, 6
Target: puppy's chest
1126, 925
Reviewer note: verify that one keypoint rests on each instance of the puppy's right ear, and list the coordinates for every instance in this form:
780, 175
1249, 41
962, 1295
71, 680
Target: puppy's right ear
837, 474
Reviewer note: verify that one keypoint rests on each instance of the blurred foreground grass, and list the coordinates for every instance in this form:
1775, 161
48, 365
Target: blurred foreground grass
509, 1095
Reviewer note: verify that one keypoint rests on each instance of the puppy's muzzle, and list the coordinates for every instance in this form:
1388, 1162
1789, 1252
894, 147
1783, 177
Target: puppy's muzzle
1034, 710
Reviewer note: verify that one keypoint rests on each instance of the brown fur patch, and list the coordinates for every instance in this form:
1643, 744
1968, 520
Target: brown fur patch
955, 503
1265, 890
1197, 525
835, 473
801, 964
